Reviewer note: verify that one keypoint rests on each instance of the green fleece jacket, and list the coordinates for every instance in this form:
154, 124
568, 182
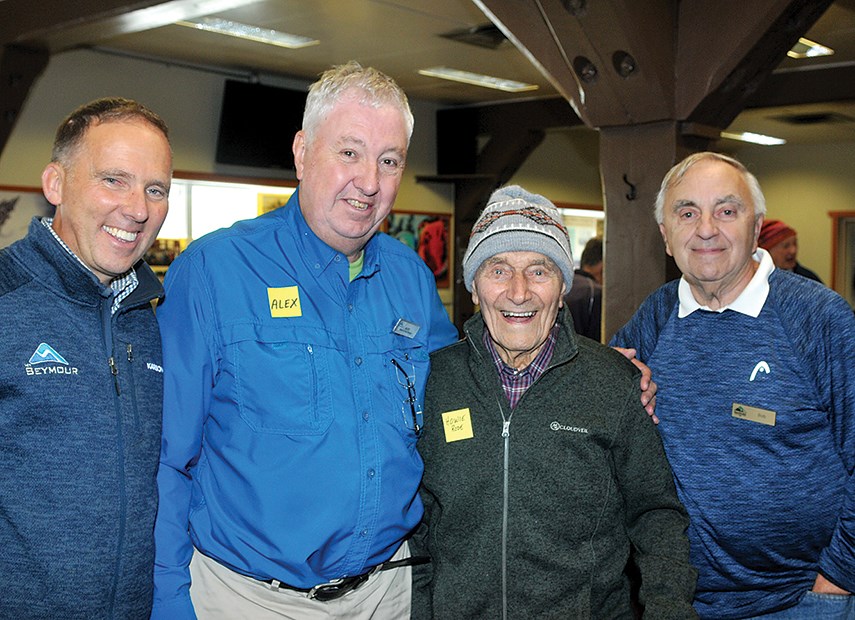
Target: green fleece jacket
581, 479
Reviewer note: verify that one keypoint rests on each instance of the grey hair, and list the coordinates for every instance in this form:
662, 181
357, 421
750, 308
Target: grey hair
676, 174
376, 89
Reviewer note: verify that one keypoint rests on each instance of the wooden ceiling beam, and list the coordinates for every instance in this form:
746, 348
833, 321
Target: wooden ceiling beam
19, 69
727, 50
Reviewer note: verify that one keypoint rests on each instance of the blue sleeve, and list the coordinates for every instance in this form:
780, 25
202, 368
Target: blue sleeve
642, 331
186, 321
836, 357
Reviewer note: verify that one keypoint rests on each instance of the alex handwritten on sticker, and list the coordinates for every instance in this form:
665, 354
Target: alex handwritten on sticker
457, 425
284, 302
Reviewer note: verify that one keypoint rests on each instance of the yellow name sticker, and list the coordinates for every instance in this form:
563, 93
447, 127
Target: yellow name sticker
284, 302
753, 414
457, 424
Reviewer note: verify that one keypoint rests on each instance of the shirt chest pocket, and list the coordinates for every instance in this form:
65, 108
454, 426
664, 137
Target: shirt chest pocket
282, 384
405, 373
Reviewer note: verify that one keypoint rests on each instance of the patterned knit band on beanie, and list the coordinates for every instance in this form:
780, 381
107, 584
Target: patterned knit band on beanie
515, 220
773, 232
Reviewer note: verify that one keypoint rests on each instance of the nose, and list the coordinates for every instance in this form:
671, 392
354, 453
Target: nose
707, 226
136, 206
518, 288
367, 180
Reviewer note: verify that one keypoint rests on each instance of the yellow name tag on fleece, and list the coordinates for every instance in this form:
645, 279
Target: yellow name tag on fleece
284, 302
753, 414
457, 424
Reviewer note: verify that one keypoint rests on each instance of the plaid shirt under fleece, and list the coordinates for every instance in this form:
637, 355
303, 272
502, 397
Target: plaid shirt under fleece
516, 382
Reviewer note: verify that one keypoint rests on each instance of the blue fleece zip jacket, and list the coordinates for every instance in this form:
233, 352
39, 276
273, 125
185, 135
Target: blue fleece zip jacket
758, 422
79, 437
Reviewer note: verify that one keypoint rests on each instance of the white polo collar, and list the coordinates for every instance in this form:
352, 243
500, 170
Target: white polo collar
751, 299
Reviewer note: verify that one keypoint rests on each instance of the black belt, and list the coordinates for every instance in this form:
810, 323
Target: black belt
337, 588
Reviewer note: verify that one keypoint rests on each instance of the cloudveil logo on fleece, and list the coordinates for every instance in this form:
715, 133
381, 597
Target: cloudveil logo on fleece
558, 426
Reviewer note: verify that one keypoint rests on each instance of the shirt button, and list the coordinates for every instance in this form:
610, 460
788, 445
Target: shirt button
350, 307
365, 416
317, 265
337, 258
358, 361
363, 533
371, 473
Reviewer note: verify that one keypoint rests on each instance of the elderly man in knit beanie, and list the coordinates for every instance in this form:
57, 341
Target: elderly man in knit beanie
782, 243
543, 474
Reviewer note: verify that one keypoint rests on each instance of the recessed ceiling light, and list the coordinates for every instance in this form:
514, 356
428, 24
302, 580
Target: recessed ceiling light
455, 75
806, 48
754, 138
252, 33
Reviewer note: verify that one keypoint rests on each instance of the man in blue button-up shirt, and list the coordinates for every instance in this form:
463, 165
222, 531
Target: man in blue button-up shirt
295, 356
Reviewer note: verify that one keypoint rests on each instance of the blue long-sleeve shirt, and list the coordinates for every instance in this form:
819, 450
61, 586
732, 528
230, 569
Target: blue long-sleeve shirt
758, 422
288, 445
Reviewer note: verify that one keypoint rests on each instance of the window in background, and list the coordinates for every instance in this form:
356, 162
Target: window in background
197, 207
582, 224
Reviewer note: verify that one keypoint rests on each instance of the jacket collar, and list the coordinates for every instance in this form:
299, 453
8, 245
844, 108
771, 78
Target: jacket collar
53, 267
566, 346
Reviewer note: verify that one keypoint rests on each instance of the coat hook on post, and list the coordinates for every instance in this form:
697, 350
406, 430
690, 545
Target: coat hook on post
631, 195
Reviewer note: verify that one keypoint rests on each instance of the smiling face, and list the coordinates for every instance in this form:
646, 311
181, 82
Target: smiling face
111, 194
349, 171
709, 227
520, 294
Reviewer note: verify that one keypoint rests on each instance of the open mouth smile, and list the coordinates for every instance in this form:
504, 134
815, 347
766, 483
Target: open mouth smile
118, 233
356, 204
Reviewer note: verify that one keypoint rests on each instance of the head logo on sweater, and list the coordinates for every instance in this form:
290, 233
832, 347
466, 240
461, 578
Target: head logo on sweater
46, 354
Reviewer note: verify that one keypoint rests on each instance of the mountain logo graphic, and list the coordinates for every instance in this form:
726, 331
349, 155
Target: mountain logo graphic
46, 353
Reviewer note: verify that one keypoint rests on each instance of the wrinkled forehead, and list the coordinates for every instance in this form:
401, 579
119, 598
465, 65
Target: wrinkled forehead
519, 259
709, 181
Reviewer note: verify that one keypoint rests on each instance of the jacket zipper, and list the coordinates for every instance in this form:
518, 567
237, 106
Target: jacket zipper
506, 437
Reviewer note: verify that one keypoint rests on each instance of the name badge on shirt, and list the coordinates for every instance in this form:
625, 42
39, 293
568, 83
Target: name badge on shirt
406, 328
457, 425
284, 302
753, 414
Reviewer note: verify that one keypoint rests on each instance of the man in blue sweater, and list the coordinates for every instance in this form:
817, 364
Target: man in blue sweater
82, 378
756, 401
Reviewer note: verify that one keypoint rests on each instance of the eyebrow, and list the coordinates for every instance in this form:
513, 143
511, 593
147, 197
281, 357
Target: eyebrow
729, 198
129, 177
353, 140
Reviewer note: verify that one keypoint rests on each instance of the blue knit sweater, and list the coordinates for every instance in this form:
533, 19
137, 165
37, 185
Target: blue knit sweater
771, 493
79, 444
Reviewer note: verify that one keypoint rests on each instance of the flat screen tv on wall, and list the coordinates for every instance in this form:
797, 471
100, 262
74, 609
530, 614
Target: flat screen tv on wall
257, 125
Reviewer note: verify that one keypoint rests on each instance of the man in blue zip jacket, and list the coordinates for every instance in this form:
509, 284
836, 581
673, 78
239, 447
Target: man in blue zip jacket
81, 383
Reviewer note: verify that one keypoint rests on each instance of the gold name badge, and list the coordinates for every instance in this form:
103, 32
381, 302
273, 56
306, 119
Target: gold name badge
284, 302
457, 425
753, 414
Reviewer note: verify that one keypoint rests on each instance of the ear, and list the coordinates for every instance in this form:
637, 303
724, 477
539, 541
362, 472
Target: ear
299, 150
757, 226
475, 295
53, 179
563, 293
665, 239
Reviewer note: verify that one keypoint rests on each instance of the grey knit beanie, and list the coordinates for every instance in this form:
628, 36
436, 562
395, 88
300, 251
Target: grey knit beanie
515, 220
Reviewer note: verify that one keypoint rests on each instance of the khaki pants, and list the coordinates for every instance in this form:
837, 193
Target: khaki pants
221, 594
